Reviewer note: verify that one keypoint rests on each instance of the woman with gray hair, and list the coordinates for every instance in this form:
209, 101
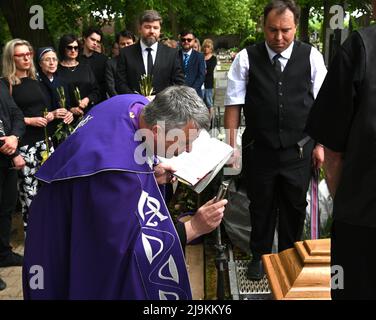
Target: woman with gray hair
56, 92
19, 76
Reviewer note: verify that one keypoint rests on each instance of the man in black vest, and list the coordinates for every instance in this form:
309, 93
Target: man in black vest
275, 82
343, 120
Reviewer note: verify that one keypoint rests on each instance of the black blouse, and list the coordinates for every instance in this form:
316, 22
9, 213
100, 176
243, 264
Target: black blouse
30, 98
82, 77
209, 78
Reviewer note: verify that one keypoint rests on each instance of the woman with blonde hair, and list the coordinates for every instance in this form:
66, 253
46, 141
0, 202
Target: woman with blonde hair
211, 62
197, 45
19, 76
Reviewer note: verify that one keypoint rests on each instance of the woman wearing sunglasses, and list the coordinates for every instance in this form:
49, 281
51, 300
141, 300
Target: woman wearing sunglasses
20, 78
77, 76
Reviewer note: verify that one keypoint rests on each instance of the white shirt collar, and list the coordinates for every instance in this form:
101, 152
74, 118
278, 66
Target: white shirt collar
286, 54
144, 46
187, 52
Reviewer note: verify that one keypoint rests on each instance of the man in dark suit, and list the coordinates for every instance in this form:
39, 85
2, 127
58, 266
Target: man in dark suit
193, 62
123, 39
92, 38
148, 57
12, 127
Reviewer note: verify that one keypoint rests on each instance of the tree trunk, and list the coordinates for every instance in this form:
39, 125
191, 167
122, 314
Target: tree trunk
325, 25
130, 17
304, 24
16, 13
172, 14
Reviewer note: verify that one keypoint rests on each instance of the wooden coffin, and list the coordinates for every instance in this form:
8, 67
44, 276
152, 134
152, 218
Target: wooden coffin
300, 273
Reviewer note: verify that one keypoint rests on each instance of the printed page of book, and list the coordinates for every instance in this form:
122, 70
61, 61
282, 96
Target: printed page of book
205, 156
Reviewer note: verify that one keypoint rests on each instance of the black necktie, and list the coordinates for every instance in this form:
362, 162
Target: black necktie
277, 64
150, 61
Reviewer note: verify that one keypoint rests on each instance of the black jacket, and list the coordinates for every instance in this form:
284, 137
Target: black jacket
343, 119
12, 120
196, 69
167, 70
110, 76
97, 62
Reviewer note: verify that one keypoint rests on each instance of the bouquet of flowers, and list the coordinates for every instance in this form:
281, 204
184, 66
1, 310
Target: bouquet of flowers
146, 85
46, 153
63, 130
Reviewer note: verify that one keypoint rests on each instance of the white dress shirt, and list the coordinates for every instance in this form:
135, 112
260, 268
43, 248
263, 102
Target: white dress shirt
188, 53
239, 71
154, 49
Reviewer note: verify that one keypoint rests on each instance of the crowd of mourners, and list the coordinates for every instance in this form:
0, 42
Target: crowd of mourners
120, 242
47, 91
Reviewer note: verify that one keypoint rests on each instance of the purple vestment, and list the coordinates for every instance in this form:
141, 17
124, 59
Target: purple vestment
99, 227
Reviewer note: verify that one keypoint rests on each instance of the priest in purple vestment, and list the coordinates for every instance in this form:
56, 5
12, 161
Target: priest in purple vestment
99, 227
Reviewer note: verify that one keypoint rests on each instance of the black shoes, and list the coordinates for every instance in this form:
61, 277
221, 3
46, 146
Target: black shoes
3, 285
255, 270
12, 260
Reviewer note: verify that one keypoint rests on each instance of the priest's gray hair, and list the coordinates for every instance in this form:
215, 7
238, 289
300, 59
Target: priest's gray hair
176, 106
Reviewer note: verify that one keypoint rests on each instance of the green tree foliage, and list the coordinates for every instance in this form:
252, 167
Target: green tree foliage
204, 17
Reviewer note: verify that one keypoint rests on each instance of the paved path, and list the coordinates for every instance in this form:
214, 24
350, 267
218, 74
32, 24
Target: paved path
13, 275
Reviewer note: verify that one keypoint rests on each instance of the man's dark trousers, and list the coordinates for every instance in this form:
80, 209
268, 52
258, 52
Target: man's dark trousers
277, 183
8, 201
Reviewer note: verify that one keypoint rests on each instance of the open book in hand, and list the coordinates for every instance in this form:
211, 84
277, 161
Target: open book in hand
199, 167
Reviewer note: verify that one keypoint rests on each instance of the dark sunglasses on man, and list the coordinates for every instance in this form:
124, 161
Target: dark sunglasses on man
186, 39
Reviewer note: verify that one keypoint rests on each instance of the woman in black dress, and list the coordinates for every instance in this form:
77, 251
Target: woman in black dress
20, 77
77, 76
211, 62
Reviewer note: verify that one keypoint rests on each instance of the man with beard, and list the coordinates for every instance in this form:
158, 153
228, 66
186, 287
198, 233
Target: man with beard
148, 57
193, 62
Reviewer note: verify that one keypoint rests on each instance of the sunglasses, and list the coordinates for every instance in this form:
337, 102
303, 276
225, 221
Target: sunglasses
24, 55
186, 40
71, 48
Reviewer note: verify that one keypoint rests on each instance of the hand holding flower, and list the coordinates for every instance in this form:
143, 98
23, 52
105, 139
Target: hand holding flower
77, 111
49, 116
60, 113
84, 103
68, 118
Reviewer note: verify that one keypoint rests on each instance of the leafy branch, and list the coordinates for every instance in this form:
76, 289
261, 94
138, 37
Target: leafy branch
46, 153
63, 130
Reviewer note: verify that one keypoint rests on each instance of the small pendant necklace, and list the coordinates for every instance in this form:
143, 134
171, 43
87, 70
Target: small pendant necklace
71, 68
